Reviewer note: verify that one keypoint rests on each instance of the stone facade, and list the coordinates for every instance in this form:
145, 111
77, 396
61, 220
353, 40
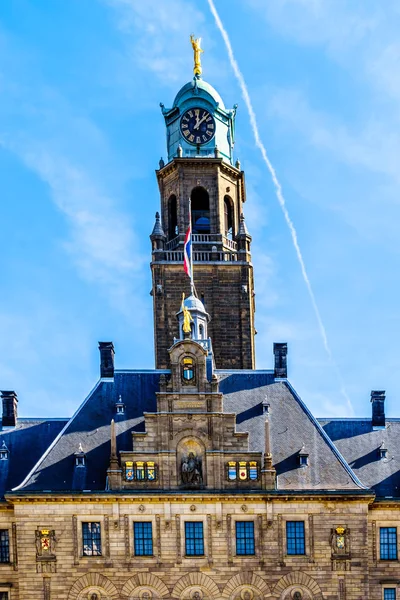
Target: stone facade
220, 573
223, 273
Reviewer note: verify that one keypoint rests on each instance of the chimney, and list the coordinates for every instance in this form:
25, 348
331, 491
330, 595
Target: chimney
106, 359
280, 353
10, 405
378, 408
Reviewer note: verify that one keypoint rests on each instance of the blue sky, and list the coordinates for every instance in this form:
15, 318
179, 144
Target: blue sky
81, 134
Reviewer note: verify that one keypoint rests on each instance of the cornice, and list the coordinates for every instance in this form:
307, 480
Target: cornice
155, 497
196, 162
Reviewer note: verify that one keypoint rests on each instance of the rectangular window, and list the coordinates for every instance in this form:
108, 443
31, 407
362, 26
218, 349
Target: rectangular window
4, 547
389, 594
194, 541
295, 537
388, 543
245, 537
143, 538
91, 539
3, 595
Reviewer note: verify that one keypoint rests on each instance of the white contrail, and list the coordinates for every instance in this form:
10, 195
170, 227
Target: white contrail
278, 189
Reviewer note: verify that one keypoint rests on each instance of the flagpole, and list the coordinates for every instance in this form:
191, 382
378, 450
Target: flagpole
191, 248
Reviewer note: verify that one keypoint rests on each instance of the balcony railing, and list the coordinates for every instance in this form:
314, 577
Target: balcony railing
204, 238
177, 256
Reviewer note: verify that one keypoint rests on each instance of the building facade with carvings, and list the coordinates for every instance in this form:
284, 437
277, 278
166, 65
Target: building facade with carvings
205, 478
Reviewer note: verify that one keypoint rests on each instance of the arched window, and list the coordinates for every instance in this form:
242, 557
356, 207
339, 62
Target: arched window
201, 332
172, 217
200, 210
228, 218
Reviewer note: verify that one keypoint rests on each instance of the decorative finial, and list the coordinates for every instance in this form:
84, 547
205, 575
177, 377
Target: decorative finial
197, 70
161, 163
216, 152
80, 449
179, 151
157, 229
237, 164
242, 226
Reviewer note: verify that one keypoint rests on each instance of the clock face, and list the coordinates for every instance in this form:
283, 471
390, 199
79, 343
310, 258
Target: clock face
197, 126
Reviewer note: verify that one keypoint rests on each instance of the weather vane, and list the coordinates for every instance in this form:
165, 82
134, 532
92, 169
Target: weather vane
197, 70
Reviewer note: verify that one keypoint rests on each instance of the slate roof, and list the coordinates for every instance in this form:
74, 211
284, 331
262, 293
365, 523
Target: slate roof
292, 428
26, 443
359, 443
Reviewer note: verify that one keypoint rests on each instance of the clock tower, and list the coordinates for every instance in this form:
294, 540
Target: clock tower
200, 168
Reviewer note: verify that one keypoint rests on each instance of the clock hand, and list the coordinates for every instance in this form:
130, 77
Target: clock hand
200, 122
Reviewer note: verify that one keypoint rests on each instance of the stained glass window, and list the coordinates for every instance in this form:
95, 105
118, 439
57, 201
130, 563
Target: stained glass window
232, 473
388, 543
91, 537
129, 476
140, 471
245, 537
151, 471
295, 537
242, 470
253, 471
143, 538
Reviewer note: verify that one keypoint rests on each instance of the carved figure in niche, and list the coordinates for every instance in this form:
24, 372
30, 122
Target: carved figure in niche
247, 595
297, 596
197, 595
94, 597
146, 595
191, 470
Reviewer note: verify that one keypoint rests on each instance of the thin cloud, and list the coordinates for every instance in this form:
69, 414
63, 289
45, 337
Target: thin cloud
278, 191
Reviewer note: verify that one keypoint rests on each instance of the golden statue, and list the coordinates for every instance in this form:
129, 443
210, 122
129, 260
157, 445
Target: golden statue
197, 70
187, 317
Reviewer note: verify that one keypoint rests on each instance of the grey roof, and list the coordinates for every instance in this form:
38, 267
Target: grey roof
26, 443
359, 443
292, 428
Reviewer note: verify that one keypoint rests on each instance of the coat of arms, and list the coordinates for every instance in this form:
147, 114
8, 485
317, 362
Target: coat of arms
45, 540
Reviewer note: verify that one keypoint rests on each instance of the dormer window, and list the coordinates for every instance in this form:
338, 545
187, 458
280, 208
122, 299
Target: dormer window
188, 370
383, 452
80, 457
4, 452
303, 459
119, 406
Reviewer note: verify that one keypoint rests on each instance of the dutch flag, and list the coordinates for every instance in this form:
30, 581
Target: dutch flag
187, 252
